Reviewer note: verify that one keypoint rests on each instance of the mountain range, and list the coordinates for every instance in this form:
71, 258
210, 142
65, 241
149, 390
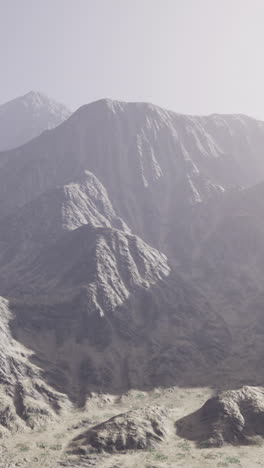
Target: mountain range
132, 252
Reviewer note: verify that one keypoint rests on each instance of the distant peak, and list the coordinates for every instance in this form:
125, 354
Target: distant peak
26, 117
37, 99
35, 95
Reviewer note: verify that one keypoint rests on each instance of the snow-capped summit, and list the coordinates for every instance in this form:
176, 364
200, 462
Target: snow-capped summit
26, 117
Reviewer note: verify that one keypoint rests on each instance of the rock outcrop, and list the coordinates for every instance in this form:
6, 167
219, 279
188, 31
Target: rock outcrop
140, 429
26, 401
235, 417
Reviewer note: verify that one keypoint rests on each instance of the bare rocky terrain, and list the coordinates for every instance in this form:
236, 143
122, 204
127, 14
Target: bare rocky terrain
139, 429
234, 416
131, 273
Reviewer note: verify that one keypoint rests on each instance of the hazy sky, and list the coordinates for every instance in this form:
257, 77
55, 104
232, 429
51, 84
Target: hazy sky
192, 56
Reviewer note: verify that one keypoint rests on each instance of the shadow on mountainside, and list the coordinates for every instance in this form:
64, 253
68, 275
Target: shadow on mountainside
161, 336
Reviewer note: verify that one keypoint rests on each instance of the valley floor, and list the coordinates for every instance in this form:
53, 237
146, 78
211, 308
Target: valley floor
48, 447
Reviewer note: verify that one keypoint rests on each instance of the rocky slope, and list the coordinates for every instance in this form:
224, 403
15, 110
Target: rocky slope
88, 212
77, 278
234, 417
115, 301
26, 401
176, 181
26, 117
32, 229
153, 163
136, 430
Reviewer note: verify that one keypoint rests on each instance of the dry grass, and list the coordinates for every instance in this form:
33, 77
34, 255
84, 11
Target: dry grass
46, 447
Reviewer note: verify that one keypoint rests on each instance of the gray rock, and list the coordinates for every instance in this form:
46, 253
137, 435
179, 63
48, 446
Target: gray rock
234, 417
136, 430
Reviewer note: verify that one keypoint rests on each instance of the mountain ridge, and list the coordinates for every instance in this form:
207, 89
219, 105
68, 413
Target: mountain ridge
128, 252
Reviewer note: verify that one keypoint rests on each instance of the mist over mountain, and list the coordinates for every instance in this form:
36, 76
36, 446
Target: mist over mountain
131, 254
26, 117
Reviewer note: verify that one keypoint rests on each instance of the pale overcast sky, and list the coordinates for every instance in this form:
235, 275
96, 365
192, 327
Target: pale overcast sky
192, 56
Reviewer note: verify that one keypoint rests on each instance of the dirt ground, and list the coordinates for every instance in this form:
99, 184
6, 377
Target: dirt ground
48, 447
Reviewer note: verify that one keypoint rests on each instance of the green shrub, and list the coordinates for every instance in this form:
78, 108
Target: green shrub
160, 457
59, 436
22, 447
180, 455
56, 447
42, 445
184, 445
232, 460
210, 456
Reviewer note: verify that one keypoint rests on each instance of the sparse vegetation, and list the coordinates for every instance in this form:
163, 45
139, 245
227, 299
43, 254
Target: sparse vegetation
234, 460
44, 454
59, 436
107, 416
56, 447
42, 429
42, 445
151, 450
210, 456
22, 447
160, 457
184, 445
180, 455
259, 442
203, 444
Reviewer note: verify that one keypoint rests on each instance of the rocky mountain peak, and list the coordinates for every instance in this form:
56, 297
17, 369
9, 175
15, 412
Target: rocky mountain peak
27, 116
